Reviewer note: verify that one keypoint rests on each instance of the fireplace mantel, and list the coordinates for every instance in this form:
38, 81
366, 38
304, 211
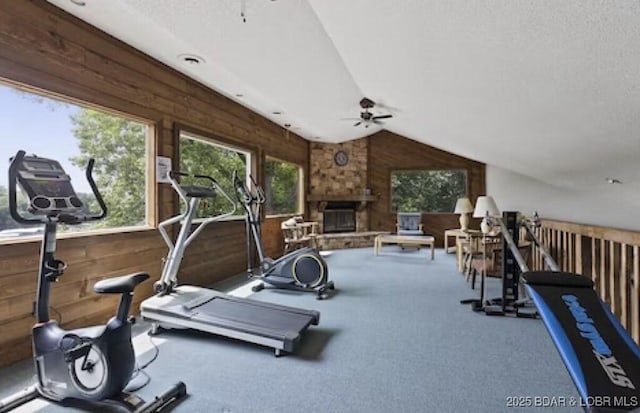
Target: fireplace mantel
323, 199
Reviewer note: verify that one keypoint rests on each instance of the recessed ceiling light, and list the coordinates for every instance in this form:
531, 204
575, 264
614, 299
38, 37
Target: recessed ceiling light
613, 181
287, 125
78, 2
239, 95
276, 112
191, 59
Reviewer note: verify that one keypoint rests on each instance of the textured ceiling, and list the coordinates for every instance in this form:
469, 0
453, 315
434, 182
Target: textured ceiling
546, 88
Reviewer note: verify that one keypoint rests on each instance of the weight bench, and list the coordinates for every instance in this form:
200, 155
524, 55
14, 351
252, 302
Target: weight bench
601, 357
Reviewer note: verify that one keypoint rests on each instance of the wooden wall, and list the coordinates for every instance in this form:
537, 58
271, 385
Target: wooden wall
388, 152
43, 47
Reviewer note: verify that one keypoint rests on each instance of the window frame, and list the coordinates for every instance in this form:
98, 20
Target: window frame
215, 140
413, 169
151, 138
301, 177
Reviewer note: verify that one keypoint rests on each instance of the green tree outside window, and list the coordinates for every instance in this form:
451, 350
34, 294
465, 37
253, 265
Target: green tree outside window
198, 157
282, 187
429, 191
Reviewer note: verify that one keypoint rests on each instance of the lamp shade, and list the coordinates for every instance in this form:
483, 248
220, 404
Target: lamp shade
463, 206
485, 204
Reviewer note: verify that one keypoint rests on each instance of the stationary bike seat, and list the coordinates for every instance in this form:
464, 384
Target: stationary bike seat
120, 285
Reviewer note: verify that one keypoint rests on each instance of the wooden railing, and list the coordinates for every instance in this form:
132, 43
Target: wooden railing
610, 257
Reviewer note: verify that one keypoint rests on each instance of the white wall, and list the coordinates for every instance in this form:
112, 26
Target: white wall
605, 205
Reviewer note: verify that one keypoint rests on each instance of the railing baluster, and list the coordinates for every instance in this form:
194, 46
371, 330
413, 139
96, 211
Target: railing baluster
613, 280
570, 251
635, 296
594, 274
602, 275
578, 252
624, 287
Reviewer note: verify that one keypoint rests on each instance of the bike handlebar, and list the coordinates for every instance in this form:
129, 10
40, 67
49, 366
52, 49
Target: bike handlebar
16, 161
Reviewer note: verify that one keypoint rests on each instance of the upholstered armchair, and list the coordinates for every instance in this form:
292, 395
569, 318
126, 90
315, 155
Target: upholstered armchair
409, 223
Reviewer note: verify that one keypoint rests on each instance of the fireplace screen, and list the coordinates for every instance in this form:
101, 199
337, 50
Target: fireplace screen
339, 220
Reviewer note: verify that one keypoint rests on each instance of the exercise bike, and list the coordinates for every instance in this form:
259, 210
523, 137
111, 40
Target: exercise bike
302, 270
88, 365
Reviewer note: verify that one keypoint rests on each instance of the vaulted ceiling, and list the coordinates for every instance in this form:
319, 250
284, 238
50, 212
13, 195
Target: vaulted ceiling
549, 89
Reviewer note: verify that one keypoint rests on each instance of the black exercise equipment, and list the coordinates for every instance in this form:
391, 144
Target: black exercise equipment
87, 365
189, 306
601, 357
510, 302
302, 270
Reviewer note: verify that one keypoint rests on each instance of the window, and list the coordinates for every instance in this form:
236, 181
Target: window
72, 134
203, 157
430, 191
282, 187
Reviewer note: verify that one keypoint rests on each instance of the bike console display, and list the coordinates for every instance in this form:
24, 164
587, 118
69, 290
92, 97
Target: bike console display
47, 185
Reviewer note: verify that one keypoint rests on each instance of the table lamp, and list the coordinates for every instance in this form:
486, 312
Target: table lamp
463, 207
485, 205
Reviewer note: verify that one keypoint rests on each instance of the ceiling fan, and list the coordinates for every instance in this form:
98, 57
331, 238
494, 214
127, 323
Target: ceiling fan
367, 117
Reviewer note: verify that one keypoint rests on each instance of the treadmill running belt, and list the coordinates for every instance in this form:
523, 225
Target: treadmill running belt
247, 313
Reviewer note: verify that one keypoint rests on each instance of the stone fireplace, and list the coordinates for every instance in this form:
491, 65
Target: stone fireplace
338, 196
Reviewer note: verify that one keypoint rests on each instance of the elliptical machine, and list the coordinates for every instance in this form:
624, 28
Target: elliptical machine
91, 364
303, 269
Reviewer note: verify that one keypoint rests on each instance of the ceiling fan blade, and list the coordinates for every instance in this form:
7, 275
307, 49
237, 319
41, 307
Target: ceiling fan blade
357, 123
349, 118
382, 117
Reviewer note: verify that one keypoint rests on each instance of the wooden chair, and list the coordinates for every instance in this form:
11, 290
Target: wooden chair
492, 264
298, 234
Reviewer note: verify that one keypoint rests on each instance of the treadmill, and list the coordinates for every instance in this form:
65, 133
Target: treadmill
185, 306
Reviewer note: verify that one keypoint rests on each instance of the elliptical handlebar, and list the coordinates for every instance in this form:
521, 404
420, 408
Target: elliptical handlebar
244, 194
242, 191
173, 175
67, 218
260, 197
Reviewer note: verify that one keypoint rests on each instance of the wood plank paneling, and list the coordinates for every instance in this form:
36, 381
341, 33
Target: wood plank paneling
45, 48
389, 152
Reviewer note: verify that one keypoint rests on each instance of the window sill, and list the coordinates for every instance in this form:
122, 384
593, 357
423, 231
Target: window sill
227, 219
80, 234
289, 215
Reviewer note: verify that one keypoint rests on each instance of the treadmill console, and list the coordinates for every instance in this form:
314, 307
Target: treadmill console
48, 186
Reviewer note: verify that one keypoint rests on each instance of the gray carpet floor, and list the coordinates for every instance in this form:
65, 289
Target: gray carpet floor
393, 338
